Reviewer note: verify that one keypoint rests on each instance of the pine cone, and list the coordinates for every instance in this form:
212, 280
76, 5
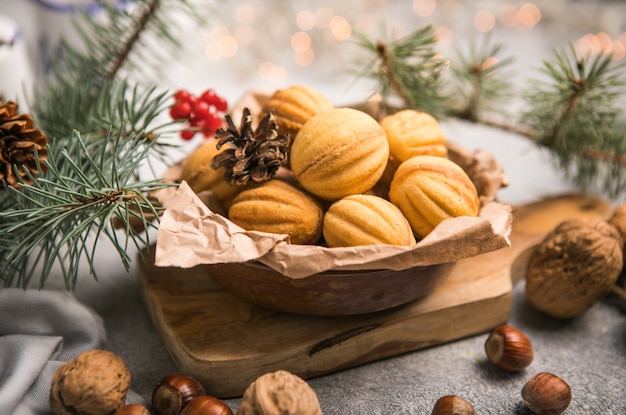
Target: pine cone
257, 154
18, 141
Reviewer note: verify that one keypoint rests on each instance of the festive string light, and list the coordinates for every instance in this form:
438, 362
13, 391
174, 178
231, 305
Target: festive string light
244, 35
340, 28
329, 23
300, 41
323, 16
484, 21
272, 73
529, 15
305, 20
601, 42
304, 58
508, 16
424, 8
246, 13
227, 46
444, 36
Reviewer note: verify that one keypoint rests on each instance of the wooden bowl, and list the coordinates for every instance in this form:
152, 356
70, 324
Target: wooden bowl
329, 293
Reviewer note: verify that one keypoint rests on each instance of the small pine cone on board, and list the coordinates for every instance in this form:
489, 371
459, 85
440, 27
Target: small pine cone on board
573, 267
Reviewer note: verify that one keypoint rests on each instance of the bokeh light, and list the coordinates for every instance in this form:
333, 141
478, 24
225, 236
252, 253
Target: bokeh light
484, 21
305, 20
424, 8
245, 13
270, 72
444, 36
340, 28
529, 15
300, 42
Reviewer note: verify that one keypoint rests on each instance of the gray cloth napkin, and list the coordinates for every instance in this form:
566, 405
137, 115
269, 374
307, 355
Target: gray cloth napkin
39, 331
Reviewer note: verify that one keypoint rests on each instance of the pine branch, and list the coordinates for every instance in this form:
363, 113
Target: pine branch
103, 131
54, 217
577, 114
123, 54
408, 68
578, 117
479, 86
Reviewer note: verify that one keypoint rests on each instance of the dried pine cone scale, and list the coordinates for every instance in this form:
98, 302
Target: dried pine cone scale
21, 145
257, 154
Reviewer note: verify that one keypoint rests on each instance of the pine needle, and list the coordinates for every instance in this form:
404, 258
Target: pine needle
578, 116
103, 129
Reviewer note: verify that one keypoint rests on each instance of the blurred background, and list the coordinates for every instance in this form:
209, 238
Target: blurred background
272, 43
237, 46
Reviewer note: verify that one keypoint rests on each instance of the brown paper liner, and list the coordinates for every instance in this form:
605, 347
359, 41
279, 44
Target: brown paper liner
191, 233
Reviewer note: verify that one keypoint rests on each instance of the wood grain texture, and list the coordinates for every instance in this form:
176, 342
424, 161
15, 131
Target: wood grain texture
227, 342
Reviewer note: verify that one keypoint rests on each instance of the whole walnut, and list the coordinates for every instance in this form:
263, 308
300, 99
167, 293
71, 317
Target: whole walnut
94, 383
279, 393
573, 267
619, 221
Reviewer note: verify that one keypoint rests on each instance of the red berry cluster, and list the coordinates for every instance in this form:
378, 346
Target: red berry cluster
204, 112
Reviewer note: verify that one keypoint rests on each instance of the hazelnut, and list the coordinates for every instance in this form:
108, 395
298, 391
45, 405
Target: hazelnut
206, 405
175, 391
132, 409
509, 349
279, 393
546, 394
453, 405
94, 383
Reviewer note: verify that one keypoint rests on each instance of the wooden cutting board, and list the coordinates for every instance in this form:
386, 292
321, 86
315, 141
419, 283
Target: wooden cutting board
227, 342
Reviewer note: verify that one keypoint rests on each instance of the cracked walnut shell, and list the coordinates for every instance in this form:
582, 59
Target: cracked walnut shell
94, 383
573, 267
279, 393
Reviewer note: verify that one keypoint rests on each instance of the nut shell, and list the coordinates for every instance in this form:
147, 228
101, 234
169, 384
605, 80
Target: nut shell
339, 152
133, 409
509, 349
453, 405
430, 189
573, 267
94, 383
279, 393
618, 219
174, 392
366, 220
279, 207
206, 405
293, 106
547, 394
413, 133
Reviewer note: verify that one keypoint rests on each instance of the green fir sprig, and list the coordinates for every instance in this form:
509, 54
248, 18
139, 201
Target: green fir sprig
576, 112
103, 128
479, 86
408, 68
60, 217
578, 115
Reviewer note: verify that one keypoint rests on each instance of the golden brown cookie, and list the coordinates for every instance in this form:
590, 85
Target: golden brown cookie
430, 189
